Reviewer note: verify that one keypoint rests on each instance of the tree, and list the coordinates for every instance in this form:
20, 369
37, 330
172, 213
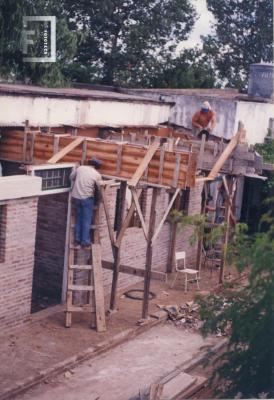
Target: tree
190, 69
244, 35
247, 367
12, 67
125, 41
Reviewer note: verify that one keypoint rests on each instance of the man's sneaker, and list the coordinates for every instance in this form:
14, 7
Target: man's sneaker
77, 245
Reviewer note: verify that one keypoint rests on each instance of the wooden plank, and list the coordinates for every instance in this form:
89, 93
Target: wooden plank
98, 288
83, 308
161, 167
176, 170
56, 144
173, 238
139, 211
119, 159
177, 191
127, 220
156, 391
224, 156
110, 229
149, 250
81, 267
84, 152
81, 288
127, 269
201, 152
144, 164
57, 157
71, 218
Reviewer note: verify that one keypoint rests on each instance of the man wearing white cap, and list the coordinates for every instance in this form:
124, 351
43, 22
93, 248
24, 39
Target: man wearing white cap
203, 119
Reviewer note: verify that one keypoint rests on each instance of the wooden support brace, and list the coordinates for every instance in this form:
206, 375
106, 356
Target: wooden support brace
127, 220
128, 269
139, 211
177, 191
144, 164
57, 157
110, 229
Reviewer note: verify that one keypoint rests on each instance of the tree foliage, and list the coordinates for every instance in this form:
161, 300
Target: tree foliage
244, 35
247, 367
125, 40
12, 66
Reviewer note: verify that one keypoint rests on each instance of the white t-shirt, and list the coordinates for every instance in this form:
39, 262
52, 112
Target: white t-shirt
85, 180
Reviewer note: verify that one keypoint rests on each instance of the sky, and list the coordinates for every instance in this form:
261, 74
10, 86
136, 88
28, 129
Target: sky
202, 26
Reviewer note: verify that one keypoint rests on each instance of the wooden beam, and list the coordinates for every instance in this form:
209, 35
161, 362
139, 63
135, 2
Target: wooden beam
127, 220
177, 191
127, 269
144, 164
58, 156
224, 156
152, 220
119, 221
98, 287
139, 211
110, 229
173, 237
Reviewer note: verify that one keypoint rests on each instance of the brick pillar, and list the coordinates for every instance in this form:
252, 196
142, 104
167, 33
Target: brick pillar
18, 230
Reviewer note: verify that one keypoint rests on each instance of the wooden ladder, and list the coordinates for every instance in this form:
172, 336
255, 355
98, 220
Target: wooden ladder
94, 287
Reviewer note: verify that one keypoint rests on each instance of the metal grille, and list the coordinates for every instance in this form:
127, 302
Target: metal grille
54, 178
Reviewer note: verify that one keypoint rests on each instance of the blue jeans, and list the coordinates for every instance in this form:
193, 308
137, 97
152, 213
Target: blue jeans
84, 214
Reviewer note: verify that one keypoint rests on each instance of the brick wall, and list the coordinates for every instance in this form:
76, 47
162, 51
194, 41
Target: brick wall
18, 225
50, 249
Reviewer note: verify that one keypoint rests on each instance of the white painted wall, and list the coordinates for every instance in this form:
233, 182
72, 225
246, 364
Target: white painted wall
255, 117
46, 111
19, 186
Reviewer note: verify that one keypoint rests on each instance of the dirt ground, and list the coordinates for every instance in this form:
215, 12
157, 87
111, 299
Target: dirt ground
45, 341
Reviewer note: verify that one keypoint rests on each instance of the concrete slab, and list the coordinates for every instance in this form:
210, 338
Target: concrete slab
125, 370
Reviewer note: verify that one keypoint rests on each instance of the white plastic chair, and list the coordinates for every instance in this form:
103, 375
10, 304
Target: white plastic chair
181, 255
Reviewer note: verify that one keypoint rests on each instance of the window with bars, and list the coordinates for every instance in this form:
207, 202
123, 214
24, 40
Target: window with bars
54, 178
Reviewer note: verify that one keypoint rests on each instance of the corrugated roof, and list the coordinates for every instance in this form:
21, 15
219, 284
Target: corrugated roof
29, 90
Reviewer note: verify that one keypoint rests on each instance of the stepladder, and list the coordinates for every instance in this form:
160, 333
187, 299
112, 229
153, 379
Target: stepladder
85, 291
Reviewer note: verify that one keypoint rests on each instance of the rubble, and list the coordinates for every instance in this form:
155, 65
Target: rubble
185, 315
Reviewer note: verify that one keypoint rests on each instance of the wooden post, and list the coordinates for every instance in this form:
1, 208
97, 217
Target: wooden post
151, 228
228, 204
173, 238
117, 249
201, 238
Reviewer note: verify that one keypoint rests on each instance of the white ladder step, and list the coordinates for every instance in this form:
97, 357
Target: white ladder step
81, 267
83, 308
87, 288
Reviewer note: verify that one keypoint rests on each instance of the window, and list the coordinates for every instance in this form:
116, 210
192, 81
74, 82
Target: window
55, 178
3, 224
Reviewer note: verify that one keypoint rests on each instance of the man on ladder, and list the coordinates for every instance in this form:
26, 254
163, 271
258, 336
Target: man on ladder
85, 179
